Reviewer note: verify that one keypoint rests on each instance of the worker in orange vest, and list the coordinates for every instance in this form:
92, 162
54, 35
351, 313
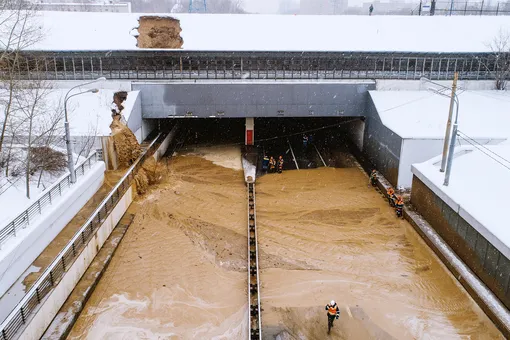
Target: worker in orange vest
392, 198
399, 206
333, 313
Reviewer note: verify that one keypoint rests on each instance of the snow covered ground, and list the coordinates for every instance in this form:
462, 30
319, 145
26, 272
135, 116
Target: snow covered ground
423, 114
89, 114
13, 199
116, 31
479, 189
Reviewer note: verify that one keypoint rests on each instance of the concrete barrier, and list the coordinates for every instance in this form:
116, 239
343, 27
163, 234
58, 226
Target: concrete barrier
55, 299
21, 251
163, 147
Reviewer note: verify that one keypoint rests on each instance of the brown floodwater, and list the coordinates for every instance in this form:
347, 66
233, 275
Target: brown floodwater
324, 234
180, 271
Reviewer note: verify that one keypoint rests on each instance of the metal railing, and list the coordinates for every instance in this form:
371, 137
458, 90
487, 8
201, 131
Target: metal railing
182, 65
37, 208
462, 8
20, 315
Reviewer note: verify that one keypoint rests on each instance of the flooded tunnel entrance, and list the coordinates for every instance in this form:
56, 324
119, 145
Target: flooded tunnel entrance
323, 234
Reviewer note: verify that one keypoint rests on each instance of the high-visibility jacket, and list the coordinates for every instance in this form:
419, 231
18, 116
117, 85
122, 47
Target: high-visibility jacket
332, 310
399, 204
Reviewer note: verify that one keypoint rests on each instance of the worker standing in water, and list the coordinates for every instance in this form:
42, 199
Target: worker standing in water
333, 313
399, 207
392, 198
373, 178
272, 165
280, 164
265, 163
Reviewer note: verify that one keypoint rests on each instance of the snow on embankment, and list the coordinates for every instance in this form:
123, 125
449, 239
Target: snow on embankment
92, 31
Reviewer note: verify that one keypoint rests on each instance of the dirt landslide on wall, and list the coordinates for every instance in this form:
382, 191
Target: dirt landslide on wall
159, 32
125, 143
180, 271
326, 235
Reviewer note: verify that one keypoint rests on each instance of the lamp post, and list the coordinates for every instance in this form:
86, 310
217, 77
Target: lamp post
70, 163
450, 114
448, 150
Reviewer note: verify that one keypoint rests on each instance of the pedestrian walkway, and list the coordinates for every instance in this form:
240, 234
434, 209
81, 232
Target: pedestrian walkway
27, 279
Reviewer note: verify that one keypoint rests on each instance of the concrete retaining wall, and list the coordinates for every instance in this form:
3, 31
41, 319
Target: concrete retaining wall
381, 146
56, 298
482, 257
21, 251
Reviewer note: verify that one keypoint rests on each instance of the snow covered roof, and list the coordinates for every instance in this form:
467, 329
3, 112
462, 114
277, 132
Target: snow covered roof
93, 110
478, 189
423, 114
88, 113
81, 31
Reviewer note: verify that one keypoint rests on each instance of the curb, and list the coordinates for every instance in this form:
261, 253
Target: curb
482, 295
65, 319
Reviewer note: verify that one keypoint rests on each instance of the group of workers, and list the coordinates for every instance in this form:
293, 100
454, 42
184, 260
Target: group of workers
271, 165
395, 201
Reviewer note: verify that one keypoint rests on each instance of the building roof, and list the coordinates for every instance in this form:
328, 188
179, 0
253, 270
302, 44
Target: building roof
89, 31
423, 114
478, 189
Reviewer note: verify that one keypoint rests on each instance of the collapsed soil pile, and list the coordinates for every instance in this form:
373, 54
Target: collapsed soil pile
125, 144
159, 32
150, 174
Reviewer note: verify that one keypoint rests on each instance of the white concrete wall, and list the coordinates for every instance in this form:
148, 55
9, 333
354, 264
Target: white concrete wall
18, 253
415, 85
421, 150
117, 85
165, 144
148, 125
134, 121
56, 298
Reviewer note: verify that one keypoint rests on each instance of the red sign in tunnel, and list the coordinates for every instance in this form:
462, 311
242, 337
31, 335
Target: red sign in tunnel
249, 137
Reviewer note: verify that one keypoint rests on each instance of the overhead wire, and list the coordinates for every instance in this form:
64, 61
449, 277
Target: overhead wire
485, 153
483, 146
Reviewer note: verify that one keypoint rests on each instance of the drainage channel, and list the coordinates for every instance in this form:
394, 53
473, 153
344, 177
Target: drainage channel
253, 261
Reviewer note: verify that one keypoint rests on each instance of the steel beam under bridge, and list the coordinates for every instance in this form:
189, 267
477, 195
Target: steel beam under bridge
237, 99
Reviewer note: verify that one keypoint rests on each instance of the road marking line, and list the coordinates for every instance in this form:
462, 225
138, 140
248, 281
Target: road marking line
348, 310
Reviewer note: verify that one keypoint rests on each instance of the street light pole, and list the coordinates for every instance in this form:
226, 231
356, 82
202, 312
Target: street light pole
453, 99
449, 123
452, 145
70, 162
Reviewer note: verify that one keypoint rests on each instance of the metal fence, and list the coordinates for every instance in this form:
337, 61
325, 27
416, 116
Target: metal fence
182, 65
463, 8
37, 208
53, 274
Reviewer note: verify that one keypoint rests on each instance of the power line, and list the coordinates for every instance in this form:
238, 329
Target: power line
482, 151
483, 146
407, 103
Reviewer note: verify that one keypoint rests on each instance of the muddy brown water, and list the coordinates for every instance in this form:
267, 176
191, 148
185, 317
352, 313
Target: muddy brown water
323, 235
181, 270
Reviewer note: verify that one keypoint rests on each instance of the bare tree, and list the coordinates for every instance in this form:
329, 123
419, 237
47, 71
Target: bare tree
53, 129
499, 63
86, 144
18, 31
32, 105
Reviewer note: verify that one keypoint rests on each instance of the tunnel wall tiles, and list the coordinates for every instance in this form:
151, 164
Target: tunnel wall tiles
492, 267
381, 145
245, 99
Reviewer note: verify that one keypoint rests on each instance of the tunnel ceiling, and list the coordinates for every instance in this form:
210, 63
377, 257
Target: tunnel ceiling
254, 99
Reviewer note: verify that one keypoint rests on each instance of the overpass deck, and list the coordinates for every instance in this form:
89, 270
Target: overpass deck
180, 64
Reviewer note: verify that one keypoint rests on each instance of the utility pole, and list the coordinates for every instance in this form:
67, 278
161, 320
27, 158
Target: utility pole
449, 124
